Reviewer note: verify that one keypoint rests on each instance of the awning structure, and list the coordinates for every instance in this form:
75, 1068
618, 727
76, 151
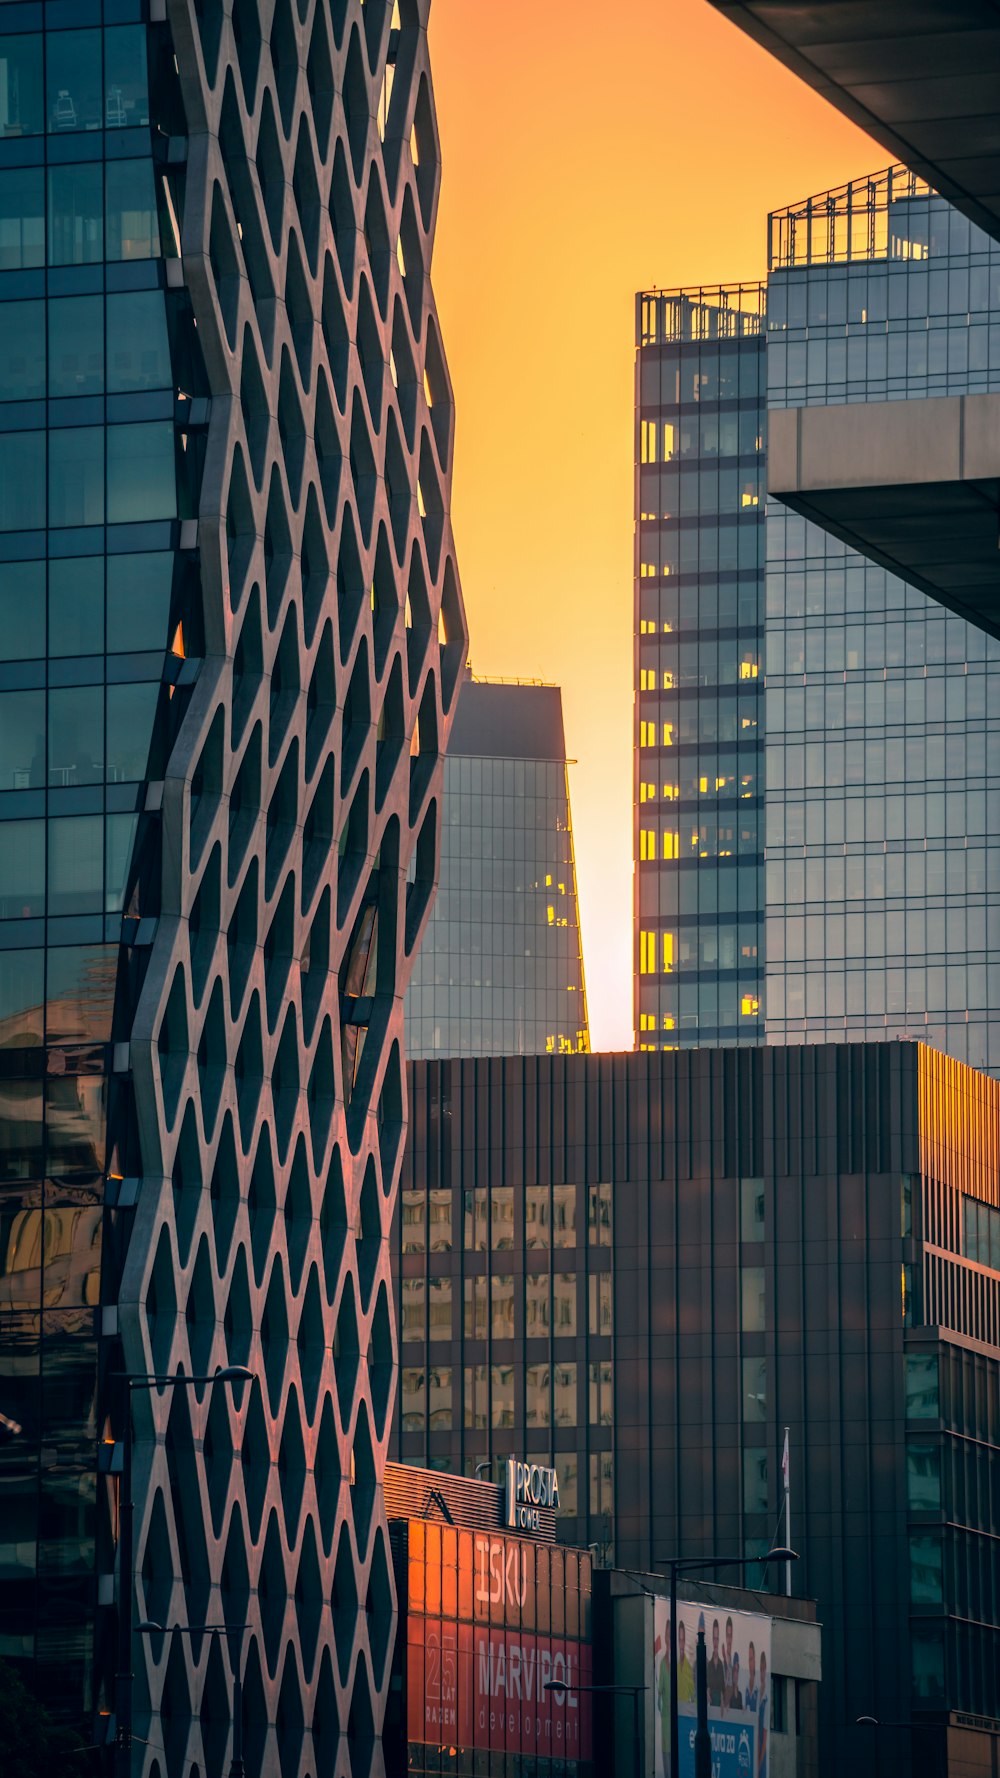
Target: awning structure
921, 76
914, 485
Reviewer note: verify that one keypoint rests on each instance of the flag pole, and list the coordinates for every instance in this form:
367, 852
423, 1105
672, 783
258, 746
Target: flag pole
788, 1517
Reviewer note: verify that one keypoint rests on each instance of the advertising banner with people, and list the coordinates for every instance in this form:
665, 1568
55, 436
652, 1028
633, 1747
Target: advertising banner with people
738, 1650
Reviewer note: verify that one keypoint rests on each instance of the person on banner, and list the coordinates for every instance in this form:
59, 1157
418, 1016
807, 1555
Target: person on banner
716, 1671
735, 1696
763, 1719
685, 1671
750, 1697
663, 1697
727, 1660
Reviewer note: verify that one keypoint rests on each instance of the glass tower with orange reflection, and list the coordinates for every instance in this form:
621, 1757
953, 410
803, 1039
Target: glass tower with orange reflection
699, 575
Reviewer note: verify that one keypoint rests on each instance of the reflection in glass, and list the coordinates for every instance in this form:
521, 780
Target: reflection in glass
752, 1299
751, 1209
76, 605
439, 1398
439, 1309
126, 101
926, 1577
564, 1394
21, 110
563, 1303
22, 992
76, 864
536, 1395
502, 1395
755, 1481
502, 1217
564, 1215
131, 709
502, 1307
920, 1385
413, 1309
22, 739
22, 219
20, 1249
81, 991
133, 229
413, 1389
68, 1522
141, 477
76, 476
22, 352
138, 348
76, 735
754, 1390
440, 1221
413, 1208
73, 80
20, 1129
76, 345
536, 1216
536, 1305
22, 481
22, 870
138, 601
120, 836
923, 1478
22, 611
76, 214
72, 1272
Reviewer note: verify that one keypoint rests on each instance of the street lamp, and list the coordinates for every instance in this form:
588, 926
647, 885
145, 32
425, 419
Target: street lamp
230, 1373
562, 1685
689, 1564
150, 1628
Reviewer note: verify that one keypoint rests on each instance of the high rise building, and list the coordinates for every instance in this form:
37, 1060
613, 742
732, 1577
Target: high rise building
870, 768
231, 638
500, 970
642, 1269
698, 808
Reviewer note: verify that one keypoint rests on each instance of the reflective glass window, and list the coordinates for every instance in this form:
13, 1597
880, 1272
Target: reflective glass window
76, 735
753, 1300
22, 739
439, 1403
923, 1478
439, 1309
73, 81
22, 996
440, 1221
22, 219
502, 1395
20, 1129
752, 1209
926, 1579
76, 605
564, 1303
564, 1215
502, 1216
22, 481
502, 1307
754, 1390
76, 476
119, 838
920, 1386
126, 99
22, 351
74, 1126
413, 1389
564, 1412
412, 1204
537, 1310
80, 996
138, 601
132, 225
141, 478
131, 710
76, 214
76, 864
138, 348
755, 1481
22, 870
22, 611
475, 1396
76, 345
21, 108
536, 1395
413, 1301
537, 1232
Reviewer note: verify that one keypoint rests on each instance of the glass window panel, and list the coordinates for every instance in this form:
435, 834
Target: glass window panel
536, 1216
20, 1129
76, 216
440, 1221
599, 1215
22, 870
923, 1478
120, 835
21, 108
439, 1399
536, 1395
927, 1655
141, 477
22, 994
131, 710
22, 351
74, 1127
21, 1247
22, 219
22, 611
926, 1580
752, 1209
139, 601
600, 1303
414, 1205
536, 1305
76, 735
22, 740
564, 1395
475, 1396
133, 229
502, 1390
413, 1299
414, 1394
73, 80
76, 476
439, 1309
22, 481
754, 1390
564, 1303
564, 1215
920, 1382
76, 345
755, 1481
126, 101
76, 605
81, 992
138, 348
502, 1307
76, 864
502, 1216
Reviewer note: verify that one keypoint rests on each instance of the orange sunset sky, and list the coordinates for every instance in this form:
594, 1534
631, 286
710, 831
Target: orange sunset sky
590, 150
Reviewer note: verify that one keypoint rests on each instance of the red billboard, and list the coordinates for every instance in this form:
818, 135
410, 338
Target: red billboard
492, 1622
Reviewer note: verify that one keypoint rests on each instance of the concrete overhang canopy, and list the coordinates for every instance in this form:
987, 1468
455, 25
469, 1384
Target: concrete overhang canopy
913, 485
920, 76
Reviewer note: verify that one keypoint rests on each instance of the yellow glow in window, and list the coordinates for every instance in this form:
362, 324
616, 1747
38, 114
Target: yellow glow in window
749, 670
671, 847
749, 1006
668, 953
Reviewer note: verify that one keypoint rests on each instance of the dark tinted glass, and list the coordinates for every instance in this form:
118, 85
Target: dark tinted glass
81, 993
22, 351
22, 744
138, 601
21, 109
76, 345
138, 349
76, 605
73, 83
22, 219
76, 214
76, 735
22, 976
22, 611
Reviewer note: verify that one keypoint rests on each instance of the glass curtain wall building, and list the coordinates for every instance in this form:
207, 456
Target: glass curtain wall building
500, 970
231, 637
882, 709
698, 839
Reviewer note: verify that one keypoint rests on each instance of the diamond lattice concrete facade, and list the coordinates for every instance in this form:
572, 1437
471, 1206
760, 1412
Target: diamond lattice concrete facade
500, 970
232, 639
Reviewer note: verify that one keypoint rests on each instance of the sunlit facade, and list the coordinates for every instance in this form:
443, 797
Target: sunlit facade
698, 810
231, 640
882, 710
500, 970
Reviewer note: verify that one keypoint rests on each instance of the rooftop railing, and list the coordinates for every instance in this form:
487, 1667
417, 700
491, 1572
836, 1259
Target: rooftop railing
701, 312
870, 218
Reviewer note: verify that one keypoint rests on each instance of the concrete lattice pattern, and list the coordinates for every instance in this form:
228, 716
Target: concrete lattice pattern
300, 835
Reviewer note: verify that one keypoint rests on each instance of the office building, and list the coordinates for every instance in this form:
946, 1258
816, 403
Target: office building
500, 970
698, 807
870, 768
231, 638
642, 1268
